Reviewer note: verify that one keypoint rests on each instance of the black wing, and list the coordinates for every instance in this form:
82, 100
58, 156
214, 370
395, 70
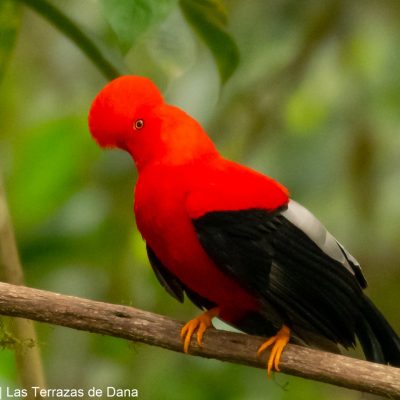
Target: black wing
173, 285
284, 267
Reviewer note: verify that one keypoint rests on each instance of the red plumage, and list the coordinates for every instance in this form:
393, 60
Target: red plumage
180, 194
181, 177
230, 237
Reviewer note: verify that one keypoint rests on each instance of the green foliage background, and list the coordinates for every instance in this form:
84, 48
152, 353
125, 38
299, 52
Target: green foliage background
314, 102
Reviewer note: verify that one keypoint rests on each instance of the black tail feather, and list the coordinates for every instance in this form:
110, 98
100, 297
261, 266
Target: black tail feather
370, 345
379, 341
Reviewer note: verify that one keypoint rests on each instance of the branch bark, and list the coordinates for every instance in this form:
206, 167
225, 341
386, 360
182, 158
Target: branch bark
141, 326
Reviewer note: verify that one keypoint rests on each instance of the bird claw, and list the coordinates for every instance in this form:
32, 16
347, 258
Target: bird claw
199, 324
278, 343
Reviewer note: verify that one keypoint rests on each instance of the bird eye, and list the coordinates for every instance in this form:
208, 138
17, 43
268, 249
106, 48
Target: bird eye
139, 124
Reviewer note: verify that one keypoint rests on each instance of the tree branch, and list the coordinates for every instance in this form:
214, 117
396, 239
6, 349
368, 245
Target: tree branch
28, 360
141, 326
70, 29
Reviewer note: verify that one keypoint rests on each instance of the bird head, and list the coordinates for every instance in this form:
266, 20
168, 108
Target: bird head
130, 113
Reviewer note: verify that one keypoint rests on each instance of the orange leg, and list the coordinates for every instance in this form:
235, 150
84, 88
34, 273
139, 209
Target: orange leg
200, 323
278, 343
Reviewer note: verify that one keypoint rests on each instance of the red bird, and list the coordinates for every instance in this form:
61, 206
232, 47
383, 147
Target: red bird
231, 239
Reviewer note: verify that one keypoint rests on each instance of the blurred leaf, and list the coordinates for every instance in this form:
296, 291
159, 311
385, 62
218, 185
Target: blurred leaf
132, 18
208, 18
9, 24
47, 164
172, 46
305, 112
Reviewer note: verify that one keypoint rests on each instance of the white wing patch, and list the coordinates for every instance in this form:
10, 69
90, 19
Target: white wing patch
312, 227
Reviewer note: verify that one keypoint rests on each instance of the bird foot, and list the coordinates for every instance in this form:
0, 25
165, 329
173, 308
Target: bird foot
278, 343
201, 324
